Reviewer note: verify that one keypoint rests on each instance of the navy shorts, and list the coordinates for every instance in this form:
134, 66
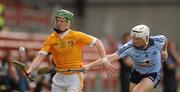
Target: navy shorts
136, 77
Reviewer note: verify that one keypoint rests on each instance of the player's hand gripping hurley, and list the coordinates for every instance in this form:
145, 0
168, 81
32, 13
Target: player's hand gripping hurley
21, 67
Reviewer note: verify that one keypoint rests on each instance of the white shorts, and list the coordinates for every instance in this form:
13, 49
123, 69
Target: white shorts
67, 83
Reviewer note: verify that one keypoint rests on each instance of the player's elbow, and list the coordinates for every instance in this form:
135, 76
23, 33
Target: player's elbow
98, 42
164, 55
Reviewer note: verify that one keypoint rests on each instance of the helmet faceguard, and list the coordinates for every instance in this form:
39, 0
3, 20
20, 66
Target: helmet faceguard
141, 31
67, 15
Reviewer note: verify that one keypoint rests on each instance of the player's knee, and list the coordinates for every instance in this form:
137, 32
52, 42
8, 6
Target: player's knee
138, 90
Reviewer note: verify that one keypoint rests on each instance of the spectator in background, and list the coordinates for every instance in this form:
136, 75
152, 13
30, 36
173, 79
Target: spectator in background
12, 77
2, 21
169, 80
4, 86
125, 64
112, 43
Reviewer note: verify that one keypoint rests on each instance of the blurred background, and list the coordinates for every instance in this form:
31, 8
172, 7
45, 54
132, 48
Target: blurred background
27, 23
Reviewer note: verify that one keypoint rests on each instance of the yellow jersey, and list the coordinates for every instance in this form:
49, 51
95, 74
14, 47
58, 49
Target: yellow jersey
67, 51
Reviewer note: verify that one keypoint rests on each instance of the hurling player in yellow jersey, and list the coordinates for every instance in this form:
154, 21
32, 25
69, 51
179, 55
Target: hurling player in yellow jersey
65, 46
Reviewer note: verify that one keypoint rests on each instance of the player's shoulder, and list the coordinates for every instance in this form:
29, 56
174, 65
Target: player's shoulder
52, 35
73, 31
127, 45
159, 38
81, 34
76, 32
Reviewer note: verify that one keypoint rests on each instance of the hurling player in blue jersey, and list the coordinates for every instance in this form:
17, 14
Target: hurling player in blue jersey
147, 52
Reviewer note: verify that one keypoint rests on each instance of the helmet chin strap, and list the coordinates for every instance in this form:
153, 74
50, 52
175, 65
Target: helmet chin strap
59, 31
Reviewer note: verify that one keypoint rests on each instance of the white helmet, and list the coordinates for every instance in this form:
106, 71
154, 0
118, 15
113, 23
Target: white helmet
141, 31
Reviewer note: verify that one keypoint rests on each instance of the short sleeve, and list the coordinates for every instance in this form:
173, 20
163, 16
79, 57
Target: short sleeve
85, 39
124, 50
160, 40
46, 47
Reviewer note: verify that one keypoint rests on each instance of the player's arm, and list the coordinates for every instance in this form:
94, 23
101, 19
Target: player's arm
128, 61
37, 60
177, 58
98, 62
99, 45
164, 53
108, 67
92, 41
41, 56
172, 51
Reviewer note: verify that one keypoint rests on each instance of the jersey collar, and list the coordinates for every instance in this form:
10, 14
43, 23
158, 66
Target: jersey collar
151, 42
62, 35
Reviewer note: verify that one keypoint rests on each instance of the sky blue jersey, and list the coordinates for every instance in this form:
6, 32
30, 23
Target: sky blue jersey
145, 60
